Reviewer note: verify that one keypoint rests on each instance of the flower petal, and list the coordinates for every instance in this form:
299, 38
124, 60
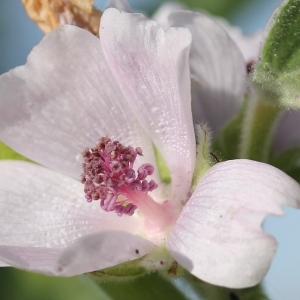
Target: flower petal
218, 236
63, 100
218, 69
287, 134
42, 208
89, 253
249, 45
158, 92
119, 4
36, 259
101, 250
162, 14
3, 264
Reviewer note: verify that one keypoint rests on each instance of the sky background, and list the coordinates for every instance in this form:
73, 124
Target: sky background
17, 37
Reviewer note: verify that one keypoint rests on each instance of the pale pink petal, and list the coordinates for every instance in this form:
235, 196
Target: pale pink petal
249, 45
3, 264
36, 259
119, 4
89, 253
101, 251
158, 92
63, 100
42, 208
218, 236
287, 134
218, 69
162, 14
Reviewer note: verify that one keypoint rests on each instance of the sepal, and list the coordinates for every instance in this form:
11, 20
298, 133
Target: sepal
204, 158
8, 153
120, 273
158, 260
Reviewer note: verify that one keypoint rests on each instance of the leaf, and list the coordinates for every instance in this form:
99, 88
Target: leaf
277, 74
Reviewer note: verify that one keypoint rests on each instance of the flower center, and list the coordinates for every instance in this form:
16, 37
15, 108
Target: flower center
108, 176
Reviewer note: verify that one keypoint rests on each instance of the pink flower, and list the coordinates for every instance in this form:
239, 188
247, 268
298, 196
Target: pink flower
133, 85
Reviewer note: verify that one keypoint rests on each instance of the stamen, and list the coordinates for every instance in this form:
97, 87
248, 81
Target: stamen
108, 176
144, 171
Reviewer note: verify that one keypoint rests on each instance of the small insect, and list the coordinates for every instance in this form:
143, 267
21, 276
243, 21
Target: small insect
250, 66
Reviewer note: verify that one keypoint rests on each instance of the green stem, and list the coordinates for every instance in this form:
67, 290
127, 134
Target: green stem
257, 131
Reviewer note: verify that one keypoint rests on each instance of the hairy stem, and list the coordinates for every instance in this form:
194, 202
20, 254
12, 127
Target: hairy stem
257, 130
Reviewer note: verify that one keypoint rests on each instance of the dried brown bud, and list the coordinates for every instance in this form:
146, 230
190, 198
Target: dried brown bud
50, 14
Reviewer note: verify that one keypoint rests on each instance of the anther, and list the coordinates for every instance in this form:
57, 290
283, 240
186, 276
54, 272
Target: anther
109, 176
145, 170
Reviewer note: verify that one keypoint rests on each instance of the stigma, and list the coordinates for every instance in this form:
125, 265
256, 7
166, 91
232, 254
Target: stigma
109, 175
